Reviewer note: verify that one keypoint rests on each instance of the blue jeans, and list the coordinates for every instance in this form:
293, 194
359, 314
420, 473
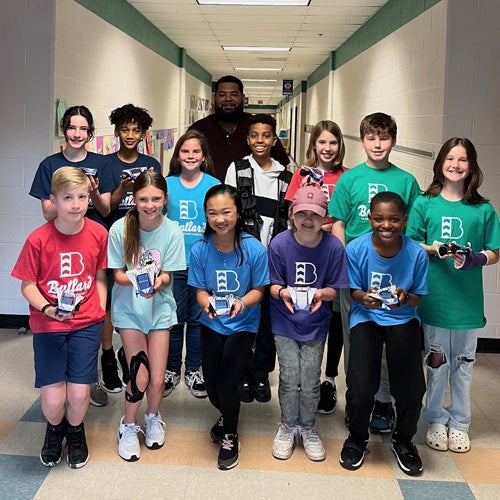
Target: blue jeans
188, 312
459, 350
299, 382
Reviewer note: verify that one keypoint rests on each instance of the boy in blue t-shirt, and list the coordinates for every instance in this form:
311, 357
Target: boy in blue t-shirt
387, 275
349, 206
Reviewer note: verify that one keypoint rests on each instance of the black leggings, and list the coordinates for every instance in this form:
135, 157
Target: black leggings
223, 358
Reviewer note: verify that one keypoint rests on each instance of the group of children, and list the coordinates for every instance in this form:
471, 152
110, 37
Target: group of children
327, 235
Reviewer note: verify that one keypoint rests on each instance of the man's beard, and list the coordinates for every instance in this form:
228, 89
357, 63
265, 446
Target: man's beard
229, 116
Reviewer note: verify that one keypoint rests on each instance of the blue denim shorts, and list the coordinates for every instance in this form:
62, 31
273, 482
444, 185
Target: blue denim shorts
67, 356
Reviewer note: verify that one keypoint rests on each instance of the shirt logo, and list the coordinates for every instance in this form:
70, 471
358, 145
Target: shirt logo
451, 228
187, 209
227, 280
380, 280
305, 273
70, 264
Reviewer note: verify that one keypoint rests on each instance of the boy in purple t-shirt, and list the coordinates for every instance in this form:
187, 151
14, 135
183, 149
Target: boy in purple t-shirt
301, 286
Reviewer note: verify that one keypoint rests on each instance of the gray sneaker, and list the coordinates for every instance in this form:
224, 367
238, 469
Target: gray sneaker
284, 442
98, 397
171, 380
312, 444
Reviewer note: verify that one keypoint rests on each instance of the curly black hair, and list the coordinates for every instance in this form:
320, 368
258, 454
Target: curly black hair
131, 114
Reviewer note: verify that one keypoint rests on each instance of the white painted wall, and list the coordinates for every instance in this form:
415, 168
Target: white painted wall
26, 128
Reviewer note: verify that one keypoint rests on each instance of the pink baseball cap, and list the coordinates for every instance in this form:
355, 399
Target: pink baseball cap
310, 198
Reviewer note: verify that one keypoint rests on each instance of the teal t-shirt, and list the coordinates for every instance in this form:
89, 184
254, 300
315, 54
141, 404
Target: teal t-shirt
455, 300
165, 248
350, 201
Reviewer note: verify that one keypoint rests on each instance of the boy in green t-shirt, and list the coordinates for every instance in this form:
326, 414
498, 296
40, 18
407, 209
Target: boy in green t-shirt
349, 206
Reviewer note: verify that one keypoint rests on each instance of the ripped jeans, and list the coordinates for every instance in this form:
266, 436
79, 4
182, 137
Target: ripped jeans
459, 349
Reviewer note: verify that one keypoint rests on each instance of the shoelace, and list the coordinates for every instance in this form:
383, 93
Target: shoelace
170, 377
154, 421
195, 378
406, 449
227, 443
286, 432
311, 436
130, 431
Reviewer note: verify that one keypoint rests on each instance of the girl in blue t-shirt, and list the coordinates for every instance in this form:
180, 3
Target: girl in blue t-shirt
189, 178
452, 212
229, 270
144, 249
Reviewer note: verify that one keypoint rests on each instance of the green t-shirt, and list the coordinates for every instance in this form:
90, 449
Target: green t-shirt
455, 300
350, 201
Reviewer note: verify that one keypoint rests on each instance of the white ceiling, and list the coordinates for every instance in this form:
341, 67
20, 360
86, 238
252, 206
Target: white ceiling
312, 32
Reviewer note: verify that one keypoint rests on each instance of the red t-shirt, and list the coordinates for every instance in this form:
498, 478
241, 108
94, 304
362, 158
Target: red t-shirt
52, 260
330, 180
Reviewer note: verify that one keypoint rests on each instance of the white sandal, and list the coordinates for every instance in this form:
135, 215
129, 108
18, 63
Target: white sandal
458, 441
437, 437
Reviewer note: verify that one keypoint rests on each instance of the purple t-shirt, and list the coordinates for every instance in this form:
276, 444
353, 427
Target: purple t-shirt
292, 264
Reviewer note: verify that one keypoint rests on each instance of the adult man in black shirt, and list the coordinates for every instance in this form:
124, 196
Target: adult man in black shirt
226, 130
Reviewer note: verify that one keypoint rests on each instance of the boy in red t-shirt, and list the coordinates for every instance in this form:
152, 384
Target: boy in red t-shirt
63, 270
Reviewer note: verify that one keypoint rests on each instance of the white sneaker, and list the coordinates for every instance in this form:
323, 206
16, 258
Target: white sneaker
284, 442
194, 380
155, 435
312, 444
128, 441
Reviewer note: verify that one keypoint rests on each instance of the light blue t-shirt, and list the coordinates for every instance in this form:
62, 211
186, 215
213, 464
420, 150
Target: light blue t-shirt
236, 273
367, 269
185, 205
165, 248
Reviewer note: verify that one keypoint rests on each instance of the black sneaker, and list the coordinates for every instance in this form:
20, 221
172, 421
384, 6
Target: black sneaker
246, 391
78, 453
228, 454
353, 453
217, 431
51, 453
171, 380
327, 398
111, 382
262, 391
382, 421
124, 366
409, 460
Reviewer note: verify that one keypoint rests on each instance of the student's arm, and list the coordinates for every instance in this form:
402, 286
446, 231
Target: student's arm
101, 202
362, 297
281, 292
102, 287
320, 295
49, 211
120, 192
338, 230
252, 298
32, 294
121, 277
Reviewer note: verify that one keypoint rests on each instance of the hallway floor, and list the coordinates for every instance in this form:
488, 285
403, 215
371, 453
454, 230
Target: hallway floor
185, 468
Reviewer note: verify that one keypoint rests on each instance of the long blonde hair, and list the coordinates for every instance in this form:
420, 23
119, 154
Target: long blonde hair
131, 234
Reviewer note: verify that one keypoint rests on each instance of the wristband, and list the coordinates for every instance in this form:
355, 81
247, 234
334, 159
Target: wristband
280, 290
44, 308
241, 303
406, 299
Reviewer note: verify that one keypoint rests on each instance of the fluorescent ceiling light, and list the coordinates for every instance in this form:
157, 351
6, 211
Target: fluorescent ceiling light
300, 3
258, 49
259, 88
258, 69
258, 80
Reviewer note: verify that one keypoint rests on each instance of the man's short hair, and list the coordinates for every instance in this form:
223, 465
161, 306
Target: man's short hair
229, 79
